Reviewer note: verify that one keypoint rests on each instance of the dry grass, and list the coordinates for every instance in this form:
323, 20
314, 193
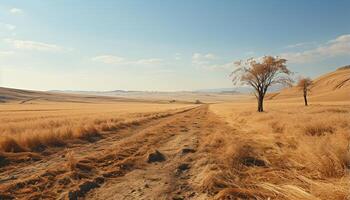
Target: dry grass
289, 152
71, 161
34, 127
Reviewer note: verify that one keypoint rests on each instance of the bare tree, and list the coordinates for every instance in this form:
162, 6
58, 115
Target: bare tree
305, 84
261, 75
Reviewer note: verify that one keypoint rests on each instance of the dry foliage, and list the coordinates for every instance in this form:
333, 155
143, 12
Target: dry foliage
38, 126
261, 75
305, 85
287, 153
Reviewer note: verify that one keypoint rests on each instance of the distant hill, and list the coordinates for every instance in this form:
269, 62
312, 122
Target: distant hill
8, 95
333, 86
178, 96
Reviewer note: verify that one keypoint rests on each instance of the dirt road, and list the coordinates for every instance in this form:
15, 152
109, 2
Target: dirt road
118, 166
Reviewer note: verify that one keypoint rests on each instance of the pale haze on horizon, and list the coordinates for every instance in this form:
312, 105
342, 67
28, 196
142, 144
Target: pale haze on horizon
163, 45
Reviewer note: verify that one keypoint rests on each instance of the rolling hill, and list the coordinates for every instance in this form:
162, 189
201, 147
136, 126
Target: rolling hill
10, 95
333, 86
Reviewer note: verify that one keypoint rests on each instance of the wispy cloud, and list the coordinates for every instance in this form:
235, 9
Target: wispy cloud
203, 59
339, 46
33, 45
16, 11
210, 61
8, 27
109, 59
225, 66
149, 61
178, 56
300, 45
118, 60
6, 53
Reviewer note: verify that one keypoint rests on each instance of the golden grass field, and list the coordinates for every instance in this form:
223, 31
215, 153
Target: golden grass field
101, 148
288, 152
31, 127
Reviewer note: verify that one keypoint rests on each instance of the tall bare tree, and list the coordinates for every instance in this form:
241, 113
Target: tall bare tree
261, 74
305, 85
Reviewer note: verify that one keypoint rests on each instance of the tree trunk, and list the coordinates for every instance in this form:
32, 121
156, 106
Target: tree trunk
305, 98
260, 103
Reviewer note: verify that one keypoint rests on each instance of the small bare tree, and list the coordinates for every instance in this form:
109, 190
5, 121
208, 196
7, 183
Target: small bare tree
305, 85
261, 75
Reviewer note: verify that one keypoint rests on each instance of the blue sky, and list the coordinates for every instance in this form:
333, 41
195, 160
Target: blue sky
161, 44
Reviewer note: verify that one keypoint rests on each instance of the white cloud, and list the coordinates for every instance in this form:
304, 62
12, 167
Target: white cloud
336, 47
16, 11
149, 61
202, 59
109, 59
6, 53
209, 62
8, 27
300, 45
33, 45
117, 60
226, 66
342, 38
177, 56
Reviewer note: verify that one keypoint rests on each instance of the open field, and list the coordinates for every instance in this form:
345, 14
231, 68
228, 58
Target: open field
216, 151
174, 100
288, 152
89, 147
31, 127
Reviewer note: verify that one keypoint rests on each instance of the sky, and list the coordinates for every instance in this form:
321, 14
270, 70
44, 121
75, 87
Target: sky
163, 45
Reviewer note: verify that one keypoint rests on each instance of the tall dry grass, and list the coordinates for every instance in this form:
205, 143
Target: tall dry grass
289, 152
35, 127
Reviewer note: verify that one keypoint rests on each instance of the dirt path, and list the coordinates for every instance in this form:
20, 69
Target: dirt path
167, 179
23, 170
116, 167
